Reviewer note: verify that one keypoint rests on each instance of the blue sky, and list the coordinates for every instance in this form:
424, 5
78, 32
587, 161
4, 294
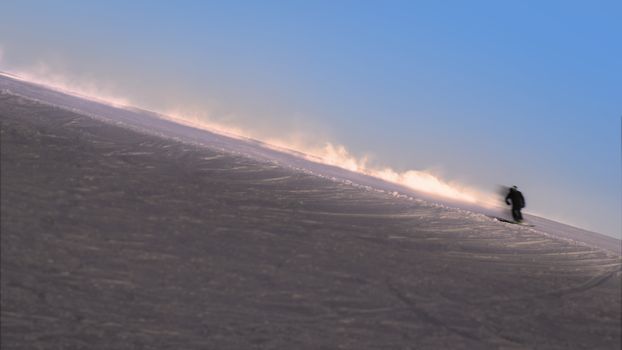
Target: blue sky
483, 93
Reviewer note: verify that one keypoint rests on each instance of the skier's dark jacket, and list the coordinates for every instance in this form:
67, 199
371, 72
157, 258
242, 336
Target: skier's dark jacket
518, 201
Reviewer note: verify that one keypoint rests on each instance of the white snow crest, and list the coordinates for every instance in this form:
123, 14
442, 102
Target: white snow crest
303, 146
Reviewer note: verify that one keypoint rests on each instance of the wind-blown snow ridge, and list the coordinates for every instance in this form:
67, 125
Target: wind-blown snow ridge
328, 153
338, 155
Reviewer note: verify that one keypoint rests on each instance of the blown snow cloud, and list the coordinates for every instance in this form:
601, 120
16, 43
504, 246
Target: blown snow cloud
324, 152
339, 156
418, 180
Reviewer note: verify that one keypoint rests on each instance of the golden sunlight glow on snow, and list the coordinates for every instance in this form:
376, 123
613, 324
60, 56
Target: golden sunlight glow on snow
417, 180
330, 154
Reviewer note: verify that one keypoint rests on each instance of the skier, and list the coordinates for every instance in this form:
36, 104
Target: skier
518, 203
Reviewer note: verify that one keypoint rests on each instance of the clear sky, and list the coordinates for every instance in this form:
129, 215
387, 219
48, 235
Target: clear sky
482, 93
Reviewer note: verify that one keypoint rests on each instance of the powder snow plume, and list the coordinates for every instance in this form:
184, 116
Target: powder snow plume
326, 153
423, 181
339, 156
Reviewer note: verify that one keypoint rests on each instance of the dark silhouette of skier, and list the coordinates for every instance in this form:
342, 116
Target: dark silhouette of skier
518, 203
